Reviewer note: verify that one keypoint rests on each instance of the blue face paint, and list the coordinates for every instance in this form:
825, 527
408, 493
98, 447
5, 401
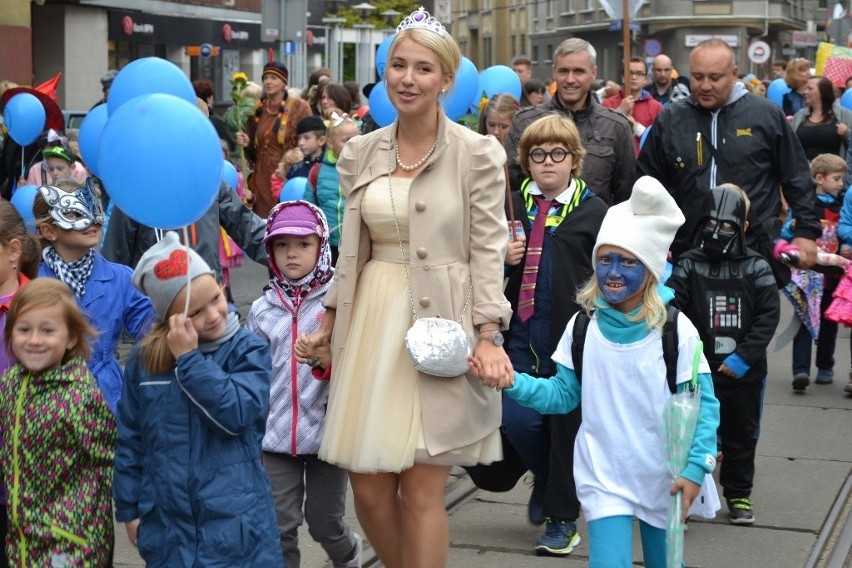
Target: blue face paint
625, 276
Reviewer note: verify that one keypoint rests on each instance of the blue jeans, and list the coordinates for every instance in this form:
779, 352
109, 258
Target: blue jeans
611, 543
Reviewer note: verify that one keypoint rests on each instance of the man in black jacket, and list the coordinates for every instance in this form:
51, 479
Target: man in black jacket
609, 168
722, 134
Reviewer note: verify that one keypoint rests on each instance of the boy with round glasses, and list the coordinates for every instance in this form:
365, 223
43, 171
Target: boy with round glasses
545, 270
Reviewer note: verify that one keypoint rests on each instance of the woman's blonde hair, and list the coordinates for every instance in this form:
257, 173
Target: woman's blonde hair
552, 129
443, 46
652, 310
503, 104
46, 293
794, 67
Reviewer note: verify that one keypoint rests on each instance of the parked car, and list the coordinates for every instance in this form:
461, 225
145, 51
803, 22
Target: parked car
74, 118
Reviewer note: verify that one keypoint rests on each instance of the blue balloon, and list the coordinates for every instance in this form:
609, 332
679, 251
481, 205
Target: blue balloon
229, 175
846, 99
22, 200
146, 76
499, 79
381, 109
294, 189
25, 117
776, 91
382, 55
90, 136
161, 161
464, 91
644, 136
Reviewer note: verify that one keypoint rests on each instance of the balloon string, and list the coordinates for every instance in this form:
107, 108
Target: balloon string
23, 161
188, 261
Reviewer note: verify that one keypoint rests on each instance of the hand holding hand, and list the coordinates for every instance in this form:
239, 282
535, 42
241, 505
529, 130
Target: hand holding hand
515, 252
308, 344
182, 337
807, 251
491, 365
132, 528
690, 492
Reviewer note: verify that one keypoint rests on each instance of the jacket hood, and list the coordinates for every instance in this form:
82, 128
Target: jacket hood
737, 92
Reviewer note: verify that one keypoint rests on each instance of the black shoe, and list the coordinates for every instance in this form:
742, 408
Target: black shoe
741, 511
801, 382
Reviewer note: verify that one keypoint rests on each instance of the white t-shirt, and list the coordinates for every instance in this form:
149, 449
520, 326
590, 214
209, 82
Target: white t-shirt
619, 455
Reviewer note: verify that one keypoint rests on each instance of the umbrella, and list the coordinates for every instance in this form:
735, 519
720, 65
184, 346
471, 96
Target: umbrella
804, 290
680, 417
840, 310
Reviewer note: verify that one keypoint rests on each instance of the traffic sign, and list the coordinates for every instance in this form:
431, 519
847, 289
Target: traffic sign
205, 50
653, 47
759, 52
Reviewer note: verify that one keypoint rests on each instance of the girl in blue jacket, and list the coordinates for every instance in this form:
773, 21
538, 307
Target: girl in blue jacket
70, 219
619, 455
188, 477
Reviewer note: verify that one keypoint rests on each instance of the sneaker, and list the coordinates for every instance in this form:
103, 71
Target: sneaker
800, 382
741, 511
824, 376
560, 537
535, 508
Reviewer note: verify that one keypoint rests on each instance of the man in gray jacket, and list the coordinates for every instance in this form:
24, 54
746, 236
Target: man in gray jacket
609, 168
126, 240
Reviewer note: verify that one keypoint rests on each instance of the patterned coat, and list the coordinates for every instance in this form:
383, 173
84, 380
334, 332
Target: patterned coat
57, 466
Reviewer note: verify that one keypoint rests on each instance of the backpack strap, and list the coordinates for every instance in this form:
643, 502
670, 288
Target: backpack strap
581, 324
669, 338
670, 343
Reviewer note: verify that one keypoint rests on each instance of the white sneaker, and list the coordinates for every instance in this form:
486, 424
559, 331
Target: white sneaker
356, 560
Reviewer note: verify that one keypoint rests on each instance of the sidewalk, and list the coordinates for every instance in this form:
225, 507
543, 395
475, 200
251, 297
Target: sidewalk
802, 495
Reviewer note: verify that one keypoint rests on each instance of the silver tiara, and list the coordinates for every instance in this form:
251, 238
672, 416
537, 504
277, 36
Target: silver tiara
421, 19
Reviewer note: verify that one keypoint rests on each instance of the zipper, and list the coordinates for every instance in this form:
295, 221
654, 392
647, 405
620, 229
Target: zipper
15, 494
294, 365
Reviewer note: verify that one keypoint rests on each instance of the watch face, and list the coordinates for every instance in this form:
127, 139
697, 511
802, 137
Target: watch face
497, 338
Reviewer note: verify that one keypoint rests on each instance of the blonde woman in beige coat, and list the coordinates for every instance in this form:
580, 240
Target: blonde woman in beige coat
396, 430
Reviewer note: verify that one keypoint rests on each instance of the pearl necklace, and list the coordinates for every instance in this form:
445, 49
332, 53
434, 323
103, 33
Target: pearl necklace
418, 163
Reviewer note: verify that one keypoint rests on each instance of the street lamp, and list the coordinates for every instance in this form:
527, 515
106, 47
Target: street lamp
363, 74
391, 17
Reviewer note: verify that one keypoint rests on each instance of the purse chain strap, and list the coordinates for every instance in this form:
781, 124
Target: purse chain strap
402, 249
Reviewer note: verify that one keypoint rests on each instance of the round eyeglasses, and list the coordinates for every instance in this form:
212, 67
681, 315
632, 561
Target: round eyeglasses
556, 155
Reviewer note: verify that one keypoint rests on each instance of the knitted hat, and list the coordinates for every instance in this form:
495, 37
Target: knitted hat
278, 69
644, 225
162, 272
58, 152
311, 123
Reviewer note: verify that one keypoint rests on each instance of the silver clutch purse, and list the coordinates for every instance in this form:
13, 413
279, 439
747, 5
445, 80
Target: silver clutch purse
439, 347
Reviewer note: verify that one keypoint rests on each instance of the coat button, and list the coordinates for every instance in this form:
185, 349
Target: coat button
425, 301
426, 267
420, 206
421, 252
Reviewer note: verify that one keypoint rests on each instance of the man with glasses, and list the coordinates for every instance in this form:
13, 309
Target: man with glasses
638, 106
609, 168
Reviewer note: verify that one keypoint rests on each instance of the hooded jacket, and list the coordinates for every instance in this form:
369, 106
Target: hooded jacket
57, 454
187, 461
747, 142
297, 400
327, 194
609, 165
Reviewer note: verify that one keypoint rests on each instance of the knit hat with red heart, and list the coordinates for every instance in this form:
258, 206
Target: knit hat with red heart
165, 269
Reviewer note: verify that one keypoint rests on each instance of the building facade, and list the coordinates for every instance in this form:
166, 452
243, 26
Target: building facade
492, 32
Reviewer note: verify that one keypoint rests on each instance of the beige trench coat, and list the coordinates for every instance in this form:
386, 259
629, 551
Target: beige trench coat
458, 233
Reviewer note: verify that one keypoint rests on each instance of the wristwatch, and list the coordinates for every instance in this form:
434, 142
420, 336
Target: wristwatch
496, 336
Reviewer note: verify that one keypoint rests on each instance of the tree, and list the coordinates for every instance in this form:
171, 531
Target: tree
352, 17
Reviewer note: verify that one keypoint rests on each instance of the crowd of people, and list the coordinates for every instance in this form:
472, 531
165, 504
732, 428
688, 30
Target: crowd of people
642, 223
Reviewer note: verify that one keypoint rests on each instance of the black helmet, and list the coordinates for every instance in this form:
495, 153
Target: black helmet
721, 230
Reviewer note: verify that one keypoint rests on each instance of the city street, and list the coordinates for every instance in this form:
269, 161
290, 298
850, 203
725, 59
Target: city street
802, 496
